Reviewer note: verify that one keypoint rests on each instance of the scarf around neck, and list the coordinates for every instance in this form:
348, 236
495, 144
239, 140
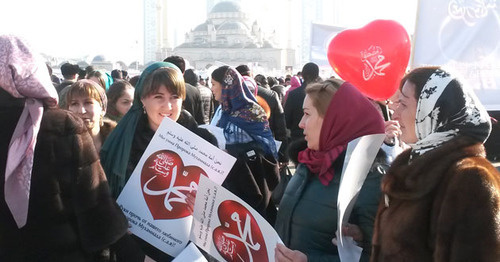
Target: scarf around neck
349, 115
23, 75
445, 109
115, 152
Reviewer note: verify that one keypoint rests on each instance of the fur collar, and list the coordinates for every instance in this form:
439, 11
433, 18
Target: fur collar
106, 128
423, 174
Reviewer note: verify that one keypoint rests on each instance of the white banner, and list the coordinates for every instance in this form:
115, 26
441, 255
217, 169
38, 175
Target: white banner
321, 35
360, 155
154, 198
463, 36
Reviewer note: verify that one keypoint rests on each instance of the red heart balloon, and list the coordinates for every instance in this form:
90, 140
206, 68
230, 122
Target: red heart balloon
373, 58
165, 182
238, 238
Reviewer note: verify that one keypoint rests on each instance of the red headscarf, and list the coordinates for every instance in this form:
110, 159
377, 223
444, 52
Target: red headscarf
350, 115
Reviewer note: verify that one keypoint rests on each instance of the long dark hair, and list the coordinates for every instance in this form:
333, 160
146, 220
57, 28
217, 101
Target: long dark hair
218, 74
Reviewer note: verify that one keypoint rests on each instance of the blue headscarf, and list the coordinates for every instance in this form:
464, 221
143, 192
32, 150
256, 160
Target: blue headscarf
115, 152
240, 108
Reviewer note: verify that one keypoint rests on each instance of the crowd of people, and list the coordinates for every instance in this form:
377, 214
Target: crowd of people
70, 145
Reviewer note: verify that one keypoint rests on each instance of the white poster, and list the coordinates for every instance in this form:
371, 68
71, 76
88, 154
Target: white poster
228, 228
191, 254
463, 36
154, 198
359, 158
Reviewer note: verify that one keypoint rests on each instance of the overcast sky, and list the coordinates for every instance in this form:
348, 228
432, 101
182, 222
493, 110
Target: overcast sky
115, 27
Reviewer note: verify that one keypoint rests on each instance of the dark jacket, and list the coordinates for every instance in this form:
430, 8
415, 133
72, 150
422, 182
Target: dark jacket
64, 84
276, 120
443, 206
307, 216
193, 103
253, 177
294, 113
206, 96
71, 213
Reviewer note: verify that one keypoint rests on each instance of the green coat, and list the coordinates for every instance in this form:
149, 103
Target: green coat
307, 215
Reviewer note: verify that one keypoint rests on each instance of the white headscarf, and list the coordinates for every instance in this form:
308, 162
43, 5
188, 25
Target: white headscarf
445, 109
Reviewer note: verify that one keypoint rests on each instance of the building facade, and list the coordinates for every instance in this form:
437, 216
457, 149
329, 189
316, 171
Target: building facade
229, 36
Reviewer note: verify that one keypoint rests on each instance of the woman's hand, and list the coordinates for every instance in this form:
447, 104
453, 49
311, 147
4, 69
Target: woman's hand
351, 230
284, 254
392, 132
190, 198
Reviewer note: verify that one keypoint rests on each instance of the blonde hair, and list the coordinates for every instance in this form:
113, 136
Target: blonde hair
322, 93
86, 88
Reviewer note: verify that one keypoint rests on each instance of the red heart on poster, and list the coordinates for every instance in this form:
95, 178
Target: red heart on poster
165, 182
373, 58
238, 238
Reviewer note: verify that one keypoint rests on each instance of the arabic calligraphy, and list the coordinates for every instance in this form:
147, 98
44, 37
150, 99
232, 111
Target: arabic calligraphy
226, 246
470, 11
245, 234
373, 62
172, 193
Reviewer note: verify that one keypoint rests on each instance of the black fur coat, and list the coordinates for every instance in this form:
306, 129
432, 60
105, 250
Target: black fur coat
71, 213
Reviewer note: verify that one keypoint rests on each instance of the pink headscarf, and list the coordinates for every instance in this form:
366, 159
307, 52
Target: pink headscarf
294, 84
23, 75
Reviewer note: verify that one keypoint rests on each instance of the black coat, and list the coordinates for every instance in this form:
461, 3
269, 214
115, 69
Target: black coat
193, 103
276, 120
253, 177
71, 213
294, 113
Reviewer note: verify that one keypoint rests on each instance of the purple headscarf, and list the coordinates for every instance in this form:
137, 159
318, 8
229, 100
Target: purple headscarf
23, 75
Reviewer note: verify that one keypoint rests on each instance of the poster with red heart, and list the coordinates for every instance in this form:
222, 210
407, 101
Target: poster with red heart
154, 198
228, 228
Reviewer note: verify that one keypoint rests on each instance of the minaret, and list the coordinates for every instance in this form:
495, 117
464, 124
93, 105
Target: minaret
164, 45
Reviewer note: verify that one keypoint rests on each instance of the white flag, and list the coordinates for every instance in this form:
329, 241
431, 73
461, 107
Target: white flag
462, 36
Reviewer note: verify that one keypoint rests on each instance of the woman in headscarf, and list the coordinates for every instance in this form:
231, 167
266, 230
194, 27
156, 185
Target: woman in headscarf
335, 113
55, 203
294, 84
158, 94
442, 197
120, 98
249, 139
88, 100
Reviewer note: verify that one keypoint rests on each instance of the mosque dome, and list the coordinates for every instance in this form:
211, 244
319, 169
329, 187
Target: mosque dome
201, 28
226, 7
99, 59
233, 25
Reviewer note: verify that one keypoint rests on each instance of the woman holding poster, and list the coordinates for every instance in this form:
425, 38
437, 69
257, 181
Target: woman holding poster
158, 94
442, 197
335, 113
249, 139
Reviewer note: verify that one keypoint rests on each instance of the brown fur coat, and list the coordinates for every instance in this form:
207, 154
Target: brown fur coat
443, 206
